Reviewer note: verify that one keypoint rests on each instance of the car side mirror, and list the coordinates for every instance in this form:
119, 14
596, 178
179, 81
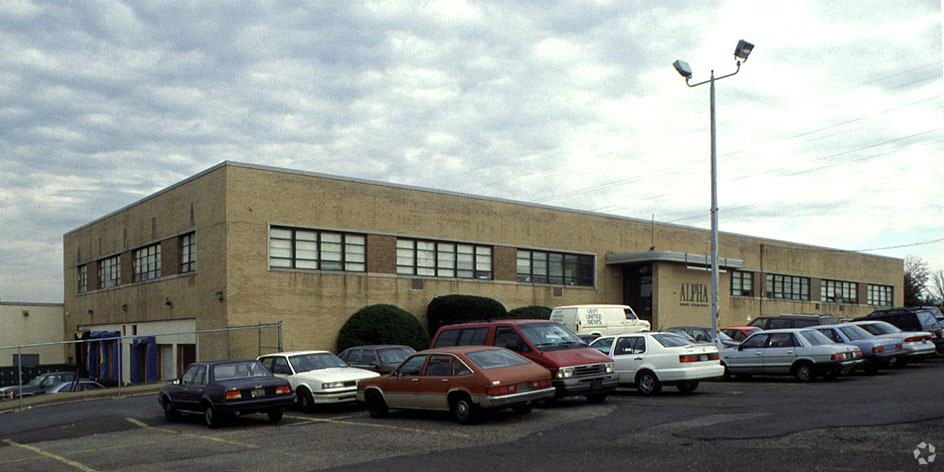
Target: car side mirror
740, 347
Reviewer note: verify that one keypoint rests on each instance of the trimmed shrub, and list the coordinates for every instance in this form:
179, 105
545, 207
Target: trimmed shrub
533, 312
382, 324
449, 309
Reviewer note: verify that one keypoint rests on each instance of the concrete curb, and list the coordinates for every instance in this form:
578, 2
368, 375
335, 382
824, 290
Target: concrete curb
12, 406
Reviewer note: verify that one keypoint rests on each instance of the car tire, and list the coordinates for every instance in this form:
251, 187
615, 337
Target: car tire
463, 410
376, 405
305, 401
803, 372
169, 411
523, 409
275, 414
597, 397
648, 384
210, 416
687, 387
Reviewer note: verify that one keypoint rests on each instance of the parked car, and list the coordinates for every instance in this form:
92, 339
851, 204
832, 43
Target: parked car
219, 389
39, 384
793, 320
76, 386
702, 334
653, 359
575, 368
463, 380
912, 319
599, 319
877, 353
917, 345
380, 358
739, 333
803, 353
316, 377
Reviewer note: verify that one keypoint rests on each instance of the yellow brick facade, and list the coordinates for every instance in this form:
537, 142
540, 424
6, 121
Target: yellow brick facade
231, 207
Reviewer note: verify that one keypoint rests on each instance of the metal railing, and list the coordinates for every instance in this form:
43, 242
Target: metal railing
221, 349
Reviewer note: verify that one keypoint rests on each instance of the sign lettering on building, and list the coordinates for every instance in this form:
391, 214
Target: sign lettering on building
694, 294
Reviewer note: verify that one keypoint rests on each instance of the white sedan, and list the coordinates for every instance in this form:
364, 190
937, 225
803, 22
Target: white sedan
317, 377
652, 359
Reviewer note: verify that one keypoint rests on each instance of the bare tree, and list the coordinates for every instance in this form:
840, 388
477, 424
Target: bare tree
917, 275
937, 287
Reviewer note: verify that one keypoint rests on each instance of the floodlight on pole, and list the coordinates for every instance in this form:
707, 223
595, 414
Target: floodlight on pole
741, 52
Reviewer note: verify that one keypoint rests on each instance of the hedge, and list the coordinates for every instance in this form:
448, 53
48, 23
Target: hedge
382, 324
533, 312
448, 309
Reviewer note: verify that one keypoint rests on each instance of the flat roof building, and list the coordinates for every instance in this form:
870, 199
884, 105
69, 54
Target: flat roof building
242, 244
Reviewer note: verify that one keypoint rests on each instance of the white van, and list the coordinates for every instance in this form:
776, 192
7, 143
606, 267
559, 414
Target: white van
599, 320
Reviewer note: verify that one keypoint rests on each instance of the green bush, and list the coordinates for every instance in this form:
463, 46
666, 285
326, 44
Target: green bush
449, 309
383, 324
533, 312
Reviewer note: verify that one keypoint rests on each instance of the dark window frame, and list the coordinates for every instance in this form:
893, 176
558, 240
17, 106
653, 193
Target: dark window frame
446, 259
352, 248
188, 253
146, 263
554, 268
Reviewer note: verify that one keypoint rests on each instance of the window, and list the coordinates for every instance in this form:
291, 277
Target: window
188, 253
742, 283
838, 291
147, 263
82, 277
554, 268
879, 295
109, 272
788, 287
293, 248
443, 259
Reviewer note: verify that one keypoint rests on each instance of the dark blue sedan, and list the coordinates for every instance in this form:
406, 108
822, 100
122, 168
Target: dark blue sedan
220, 389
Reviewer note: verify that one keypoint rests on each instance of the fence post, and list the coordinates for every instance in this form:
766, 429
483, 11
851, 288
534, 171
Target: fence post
197, 335
259, 340
19, 370
229, 355
121, 366
280, 336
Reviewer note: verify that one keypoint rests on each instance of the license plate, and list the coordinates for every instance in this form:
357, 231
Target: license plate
258, 392
523, 386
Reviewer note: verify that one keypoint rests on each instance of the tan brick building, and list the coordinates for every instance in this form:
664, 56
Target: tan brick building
242, 244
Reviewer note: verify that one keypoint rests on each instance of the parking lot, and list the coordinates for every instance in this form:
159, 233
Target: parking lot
857, 423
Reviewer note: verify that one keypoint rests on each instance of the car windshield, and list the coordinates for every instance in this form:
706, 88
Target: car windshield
394, 355
495, 358
550, 336
318, 360
670, 339
880, 328
855, 333
815, 338
239, 370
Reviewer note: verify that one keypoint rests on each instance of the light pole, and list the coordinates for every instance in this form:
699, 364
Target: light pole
740, 55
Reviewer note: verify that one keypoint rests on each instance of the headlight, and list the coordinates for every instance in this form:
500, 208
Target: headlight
565, 372
610, 367
328, 385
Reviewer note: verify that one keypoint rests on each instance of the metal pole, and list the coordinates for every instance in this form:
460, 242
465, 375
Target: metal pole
280, 335
714, 221
121, 366
19, 369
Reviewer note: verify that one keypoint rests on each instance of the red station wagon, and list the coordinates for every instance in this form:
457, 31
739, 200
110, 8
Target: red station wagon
462, 380
576, 369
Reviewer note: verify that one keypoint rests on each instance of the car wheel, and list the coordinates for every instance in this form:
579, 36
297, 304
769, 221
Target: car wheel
304, 400
210, 416
275, 414
726, 375
597, 397
523, 409
687, 387
376, 405
648, 384
169, 411
803, 372
463, 410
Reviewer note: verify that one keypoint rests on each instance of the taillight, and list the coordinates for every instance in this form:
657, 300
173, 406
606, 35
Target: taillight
541, 383
283, 390
688, 358
878, 349
503, 390
835, 357
898, 347
234, 395
913, 339
685, 358
715, 357
858, 354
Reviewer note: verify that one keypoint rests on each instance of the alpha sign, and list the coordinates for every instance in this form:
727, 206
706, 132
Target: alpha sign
694, 294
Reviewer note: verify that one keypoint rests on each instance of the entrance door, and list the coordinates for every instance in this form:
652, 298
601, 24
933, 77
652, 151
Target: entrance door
637, 289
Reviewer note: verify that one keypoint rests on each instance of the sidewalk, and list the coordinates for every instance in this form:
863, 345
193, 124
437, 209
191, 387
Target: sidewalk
7, 406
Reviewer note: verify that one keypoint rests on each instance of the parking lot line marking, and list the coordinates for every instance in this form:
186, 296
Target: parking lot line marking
50, 455
372, 425
200, 436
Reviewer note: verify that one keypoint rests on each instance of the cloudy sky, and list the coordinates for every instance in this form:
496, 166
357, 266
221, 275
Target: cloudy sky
831, 133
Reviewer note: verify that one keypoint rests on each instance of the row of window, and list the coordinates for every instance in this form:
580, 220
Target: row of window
146, 265
789, 287
295, 248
